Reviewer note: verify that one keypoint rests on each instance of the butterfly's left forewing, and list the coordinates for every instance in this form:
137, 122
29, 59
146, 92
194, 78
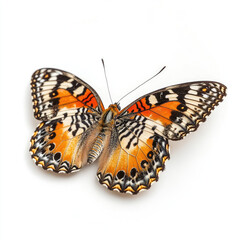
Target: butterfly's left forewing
176, 110
70, 110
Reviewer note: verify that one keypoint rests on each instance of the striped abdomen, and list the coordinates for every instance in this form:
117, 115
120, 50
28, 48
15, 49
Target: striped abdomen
97, 148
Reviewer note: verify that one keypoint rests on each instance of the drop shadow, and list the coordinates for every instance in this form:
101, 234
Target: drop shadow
119, 195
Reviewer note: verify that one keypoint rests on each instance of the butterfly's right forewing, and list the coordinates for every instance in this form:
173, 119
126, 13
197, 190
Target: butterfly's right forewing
54, 90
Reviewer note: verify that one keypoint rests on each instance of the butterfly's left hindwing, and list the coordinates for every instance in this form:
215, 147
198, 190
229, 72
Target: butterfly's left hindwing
134, 158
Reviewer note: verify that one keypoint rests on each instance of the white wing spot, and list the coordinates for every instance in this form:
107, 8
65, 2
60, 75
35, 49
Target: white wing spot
153, 99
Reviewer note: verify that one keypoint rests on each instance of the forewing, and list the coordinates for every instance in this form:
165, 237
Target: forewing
176, 110
54, 90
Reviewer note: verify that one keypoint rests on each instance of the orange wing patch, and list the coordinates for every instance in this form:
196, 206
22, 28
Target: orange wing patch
133, 169
176, 110
67, 100
88, 99
54, 89
59, 145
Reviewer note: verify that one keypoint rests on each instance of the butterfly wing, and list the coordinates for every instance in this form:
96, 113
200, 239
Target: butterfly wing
139, 142
69, 110
54, 90
134, 158
176, 110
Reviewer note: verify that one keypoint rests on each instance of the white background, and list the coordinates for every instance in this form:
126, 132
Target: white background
197, 197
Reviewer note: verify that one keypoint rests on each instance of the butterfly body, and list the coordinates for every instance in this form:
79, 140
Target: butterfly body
131, 145
106, 125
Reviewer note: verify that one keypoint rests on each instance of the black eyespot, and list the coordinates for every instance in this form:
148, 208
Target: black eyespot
46, 76
144, 163
53, 94
133, 172
150, 155
51, 146
52, 135
133, 180
205, 89
182, 107
57, 156
120, 174
154, 127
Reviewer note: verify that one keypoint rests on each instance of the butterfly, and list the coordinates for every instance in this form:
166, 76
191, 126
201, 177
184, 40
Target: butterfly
131, 144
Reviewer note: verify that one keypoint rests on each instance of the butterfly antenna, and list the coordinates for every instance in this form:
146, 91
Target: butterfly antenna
107, 81
142, 84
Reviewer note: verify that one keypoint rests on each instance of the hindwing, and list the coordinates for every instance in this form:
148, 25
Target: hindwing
62, 144
134, 159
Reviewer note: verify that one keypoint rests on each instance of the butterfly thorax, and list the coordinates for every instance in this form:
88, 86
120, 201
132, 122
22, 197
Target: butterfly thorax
106, 124
108, 116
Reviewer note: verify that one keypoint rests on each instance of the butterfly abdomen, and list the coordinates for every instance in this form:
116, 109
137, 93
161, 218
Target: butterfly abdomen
97, 148
106, 123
